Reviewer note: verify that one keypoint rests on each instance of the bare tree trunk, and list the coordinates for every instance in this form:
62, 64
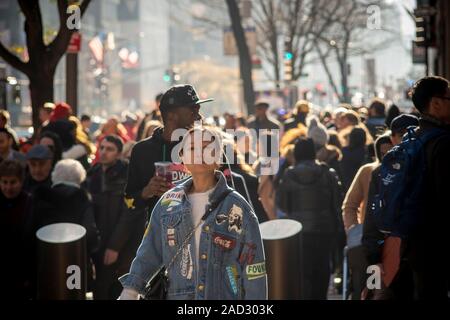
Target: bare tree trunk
344, 81
245, 62
41, 91
43, 59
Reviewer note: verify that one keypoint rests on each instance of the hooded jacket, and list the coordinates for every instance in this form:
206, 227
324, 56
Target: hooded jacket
311, 193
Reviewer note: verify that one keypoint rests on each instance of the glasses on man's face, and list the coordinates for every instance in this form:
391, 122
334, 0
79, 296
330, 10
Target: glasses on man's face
440, 97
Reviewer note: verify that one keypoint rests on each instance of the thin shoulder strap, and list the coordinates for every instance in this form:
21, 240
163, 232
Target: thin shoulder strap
213, 206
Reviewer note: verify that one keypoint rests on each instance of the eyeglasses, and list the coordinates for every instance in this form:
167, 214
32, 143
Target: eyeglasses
445, 98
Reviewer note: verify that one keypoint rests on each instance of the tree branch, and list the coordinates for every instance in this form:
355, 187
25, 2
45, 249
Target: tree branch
57, 48
13, 60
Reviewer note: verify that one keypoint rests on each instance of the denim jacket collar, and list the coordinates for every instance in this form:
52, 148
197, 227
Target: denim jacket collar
220, 187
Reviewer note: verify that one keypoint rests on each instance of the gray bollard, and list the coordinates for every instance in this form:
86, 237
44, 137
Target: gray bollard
281, 240
62, 257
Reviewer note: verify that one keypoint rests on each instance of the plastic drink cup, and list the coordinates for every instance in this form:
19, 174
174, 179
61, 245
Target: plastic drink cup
162, 169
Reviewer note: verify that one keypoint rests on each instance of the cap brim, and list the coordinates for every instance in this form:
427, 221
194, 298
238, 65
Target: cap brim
204, 100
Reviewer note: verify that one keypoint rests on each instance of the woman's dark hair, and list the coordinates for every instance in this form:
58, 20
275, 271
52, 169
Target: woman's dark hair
378, 106
357, 138
334, 139
425, 89
392, 113
57, 149
383, 139
12, 168
304, 150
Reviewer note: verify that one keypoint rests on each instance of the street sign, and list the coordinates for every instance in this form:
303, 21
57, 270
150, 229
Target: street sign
75, 43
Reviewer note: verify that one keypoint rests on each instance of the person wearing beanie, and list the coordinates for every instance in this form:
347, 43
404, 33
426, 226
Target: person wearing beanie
317, 132
326, 153
309, 192
62, 111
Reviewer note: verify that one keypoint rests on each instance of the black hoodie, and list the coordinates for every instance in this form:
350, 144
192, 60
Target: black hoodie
142, 168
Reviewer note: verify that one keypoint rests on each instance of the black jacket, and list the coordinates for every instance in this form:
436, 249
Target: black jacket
119, 230
30, 185
311, 193
142, 168
352, 160
17, 246
428, 249
66, 204
372, 238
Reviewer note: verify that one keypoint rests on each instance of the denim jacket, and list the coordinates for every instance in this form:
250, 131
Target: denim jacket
231, 263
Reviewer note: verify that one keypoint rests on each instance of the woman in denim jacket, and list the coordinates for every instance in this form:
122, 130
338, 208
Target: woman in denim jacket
224, 259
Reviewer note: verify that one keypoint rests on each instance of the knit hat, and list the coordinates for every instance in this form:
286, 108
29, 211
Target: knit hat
317, 132
62, 111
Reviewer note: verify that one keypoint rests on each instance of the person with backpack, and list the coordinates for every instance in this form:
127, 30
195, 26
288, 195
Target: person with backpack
410, 206
354, 212
310, 193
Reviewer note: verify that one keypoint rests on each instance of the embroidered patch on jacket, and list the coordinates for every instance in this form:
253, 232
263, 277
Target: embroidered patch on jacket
256, 271
186, 265
129, 202
172, 199
224, 242
232, 277
234, 218
171, 237
247, 253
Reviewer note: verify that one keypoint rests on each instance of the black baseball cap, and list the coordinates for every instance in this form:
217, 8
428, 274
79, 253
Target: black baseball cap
183, 95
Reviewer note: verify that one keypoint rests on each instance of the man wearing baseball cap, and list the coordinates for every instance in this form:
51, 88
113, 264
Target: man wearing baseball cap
179, 108
40, 165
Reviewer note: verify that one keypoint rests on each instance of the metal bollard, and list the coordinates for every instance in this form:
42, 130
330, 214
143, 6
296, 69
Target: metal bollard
62, 257
281, 240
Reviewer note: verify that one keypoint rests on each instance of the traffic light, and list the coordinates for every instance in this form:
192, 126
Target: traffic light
421, 31
17, 94
167, 76
172, 76
288, 56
